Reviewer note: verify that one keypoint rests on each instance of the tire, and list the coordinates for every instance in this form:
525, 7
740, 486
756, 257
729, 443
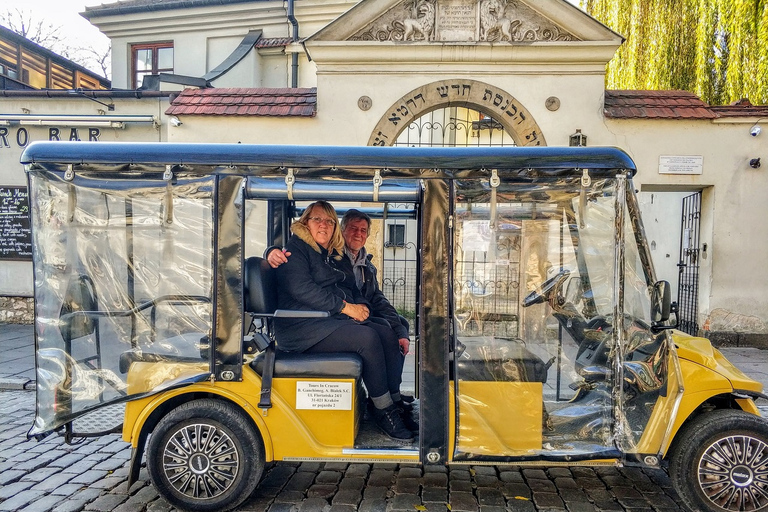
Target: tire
221, 442
719, 462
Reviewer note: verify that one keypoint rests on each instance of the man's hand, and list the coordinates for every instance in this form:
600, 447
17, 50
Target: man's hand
357, 312
277, 257
405, 344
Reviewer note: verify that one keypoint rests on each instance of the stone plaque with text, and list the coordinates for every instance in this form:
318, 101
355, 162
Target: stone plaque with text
457, 20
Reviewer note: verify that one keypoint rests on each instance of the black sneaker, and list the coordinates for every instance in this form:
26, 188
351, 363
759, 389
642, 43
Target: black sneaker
409, 422
391, 423
404, 406
407, 398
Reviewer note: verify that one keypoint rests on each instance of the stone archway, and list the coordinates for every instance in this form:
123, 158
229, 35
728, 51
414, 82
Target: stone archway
491, 100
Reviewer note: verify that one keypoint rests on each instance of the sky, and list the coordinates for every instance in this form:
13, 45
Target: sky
75, 29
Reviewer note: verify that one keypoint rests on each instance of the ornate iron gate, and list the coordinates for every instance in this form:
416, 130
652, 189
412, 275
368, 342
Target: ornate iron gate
688, 288
450, 126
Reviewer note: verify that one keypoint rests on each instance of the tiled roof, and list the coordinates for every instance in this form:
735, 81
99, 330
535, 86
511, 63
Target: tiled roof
278, 102
135, 6
656, 104
741, 108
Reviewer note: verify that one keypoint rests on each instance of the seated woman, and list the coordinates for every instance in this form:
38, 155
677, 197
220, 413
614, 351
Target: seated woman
308, 281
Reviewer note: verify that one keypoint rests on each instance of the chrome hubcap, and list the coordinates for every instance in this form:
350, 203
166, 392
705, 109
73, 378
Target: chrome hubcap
733, 473
200, 461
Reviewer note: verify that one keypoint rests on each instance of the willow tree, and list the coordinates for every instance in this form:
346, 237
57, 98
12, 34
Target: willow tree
717, 49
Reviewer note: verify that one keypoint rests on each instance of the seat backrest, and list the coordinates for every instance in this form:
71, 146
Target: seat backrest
260, 285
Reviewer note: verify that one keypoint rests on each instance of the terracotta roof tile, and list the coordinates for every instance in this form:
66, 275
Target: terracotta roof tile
741, 108
246, 102
655, 105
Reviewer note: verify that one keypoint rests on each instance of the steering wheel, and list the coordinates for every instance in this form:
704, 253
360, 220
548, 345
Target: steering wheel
549, 290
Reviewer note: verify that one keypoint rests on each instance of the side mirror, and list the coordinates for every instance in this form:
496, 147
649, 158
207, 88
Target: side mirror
662, 306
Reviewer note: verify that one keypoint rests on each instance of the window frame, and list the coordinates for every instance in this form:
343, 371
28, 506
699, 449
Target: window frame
154, 47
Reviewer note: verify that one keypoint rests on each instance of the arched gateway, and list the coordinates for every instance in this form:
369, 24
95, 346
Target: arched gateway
498, 104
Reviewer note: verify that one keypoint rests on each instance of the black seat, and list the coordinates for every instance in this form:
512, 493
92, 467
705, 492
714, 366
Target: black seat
260, 295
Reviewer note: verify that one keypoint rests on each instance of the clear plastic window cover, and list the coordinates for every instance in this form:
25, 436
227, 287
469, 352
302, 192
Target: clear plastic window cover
533, 328
123, 287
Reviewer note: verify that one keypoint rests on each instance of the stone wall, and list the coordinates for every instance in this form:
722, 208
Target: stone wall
17, 310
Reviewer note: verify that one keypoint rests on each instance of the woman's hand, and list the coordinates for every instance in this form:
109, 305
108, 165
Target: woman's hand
357, 312
277, 257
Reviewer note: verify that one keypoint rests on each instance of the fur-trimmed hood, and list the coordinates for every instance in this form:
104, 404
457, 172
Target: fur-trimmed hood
335, 246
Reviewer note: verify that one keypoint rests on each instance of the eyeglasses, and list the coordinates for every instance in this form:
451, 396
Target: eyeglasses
320, 220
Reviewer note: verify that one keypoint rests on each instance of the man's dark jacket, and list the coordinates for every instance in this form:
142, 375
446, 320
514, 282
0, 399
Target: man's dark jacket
370, 295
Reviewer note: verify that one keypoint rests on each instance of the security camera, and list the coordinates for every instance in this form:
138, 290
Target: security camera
175, 121
755, 131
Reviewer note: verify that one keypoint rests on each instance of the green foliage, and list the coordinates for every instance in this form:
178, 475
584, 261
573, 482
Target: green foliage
717, 49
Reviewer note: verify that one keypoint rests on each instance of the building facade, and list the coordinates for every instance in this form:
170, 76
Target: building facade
455, 72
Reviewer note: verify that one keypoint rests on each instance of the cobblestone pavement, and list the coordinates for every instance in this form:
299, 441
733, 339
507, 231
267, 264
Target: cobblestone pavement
92, 476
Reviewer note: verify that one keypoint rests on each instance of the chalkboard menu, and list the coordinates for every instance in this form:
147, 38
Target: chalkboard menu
15, 234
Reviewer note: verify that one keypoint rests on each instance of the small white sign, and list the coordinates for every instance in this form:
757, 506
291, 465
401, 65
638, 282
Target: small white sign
679, 164
324, 395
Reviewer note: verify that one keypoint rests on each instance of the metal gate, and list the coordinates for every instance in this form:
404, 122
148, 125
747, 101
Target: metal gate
688, 287
449, 126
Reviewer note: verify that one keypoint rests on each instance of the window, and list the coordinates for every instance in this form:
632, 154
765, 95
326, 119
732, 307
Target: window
151, 59
396, 235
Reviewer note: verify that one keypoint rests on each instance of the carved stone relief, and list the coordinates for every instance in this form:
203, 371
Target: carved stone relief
462, 21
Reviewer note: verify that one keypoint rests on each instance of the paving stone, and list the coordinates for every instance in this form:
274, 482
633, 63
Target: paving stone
559, 473
347, 497
463, 501
66, 490
514, 490
381, 478
40, 474
336, 466
300, 481
409, 473
535, 474
436, 468
625, 492
160, 505
565, 483
520, 505
460, 486
328, 477
9, 491
89, 477
589, 483
609, 506
459, 474
283, 507
106, 503
659, 500
607, 470
358, 470
434, 494
542, 485
389, 466
324, 491
255, 505
634, 503
434, 480
144, 495
434, 507
487, 480
20, 500
405, 502
573, 495
599, 495
342, 508
352, 482
289, 496
277, 476
314, 505
511, 476
77, 501
581, 471
310, 467
484, 470
373, 505
490, 497
8, 476
44, 504
579, 506
38, 461
547, 500
110, 464
108, 483
53, 482
407, 485
616, 481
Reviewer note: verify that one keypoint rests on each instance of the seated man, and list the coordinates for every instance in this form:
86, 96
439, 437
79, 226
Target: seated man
361, 282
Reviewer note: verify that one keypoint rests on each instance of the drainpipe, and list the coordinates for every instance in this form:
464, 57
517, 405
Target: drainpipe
295, 37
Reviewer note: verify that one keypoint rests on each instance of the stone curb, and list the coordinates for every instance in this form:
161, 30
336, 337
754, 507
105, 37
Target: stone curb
17, 384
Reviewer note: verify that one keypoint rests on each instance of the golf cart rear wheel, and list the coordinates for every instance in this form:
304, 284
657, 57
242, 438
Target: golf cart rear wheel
720, 462
205, 456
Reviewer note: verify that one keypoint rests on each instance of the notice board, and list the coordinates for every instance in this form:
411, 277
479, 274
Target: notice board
15, 233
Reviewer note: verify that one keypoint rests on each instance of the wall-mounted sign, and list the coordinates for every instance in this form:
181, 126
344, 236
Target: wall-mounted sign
15, 233
680, 164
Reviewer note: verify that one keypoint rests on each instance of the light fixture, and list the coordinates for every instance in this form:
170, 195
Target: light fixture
175, 121
111, 121
754, 163
755, 130
577, 139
